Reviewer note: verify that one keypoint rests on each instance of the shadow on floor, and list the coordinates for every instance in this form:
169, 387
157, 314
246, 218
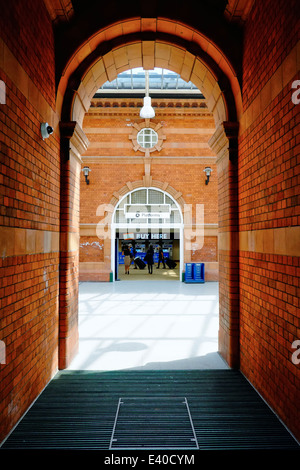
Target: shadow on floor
209, 361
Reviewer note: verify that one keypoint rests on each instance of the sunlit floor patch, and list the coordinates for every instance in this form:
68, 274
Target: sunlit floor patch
148, 325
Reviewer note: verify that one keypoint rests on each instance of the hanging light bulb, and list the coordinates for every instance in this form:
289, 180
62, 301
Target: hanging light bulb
147, 112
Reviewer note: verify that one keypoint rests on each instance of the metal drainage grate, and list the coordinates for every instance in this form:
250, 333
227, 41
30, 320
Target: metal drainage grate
153, 423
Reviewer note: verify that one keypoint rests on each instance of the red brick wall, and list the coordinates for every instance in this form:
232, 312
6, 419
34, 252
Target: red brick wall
29, 212
27, 30
105, 178
273, 27
91, 248
209, 251
189, 179
268, 204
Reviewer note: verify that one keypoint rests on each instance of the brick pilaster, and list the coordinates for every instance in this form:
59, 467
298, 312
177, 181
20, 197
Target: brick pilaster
73, 144
224, 144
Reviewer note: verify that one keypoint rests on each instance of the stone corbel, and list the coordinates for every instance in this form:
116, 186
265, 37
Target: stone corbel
232, 130
224, 142
59, 10
73, 140
238, 10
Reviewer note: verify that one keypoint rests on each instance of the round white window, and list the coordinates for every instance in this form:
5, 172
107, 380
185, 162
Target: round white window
147, 138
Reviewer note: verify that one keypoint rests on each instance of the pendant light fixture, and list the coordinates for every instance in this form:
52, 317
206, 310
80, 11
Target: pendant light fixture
147, 112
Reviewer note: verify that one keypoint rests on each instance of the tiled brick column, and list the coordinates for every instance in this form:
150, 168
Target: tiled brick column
224, 143
73, 144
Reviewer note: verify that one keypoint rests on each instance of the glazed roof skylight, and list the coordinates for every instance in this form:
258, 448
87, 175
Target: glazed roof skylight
160, 81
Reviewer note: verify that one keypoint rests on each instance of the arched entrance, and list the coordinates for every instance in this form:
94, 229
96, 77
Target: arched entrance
144, 217
195, 58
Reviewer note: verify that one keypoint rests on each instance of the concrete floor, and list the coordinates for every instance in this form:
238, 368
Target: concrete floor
148, 325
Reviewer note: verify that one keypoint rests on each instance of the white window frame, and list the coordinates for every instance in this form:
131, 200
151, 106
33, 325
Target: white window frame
152, 135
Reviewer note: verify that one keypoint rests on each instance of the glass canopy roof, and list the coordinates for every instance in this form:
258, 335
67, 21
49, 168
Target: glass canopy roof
160, 81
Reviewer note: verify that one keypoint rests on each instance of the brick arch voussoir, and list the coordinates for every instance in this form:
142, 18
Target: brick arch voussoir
216, 80
150, 54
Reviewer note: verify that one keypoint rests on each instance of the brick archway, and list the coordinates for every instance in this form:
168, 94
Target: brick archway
151, 43
162, 55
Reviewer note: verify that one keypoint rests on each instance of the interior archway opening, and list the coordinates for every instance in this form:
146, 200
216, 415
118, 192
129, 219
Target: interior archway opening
220, 87
147, 223
140, 196
176, 161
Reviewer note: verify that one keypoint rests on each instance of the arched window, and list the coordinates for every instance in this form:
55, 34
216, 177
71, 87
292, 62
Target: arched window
147, 206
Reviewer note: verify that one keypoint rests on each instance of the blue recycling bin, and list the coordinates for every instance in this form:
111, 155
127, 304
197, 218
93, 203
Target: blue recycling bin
194, 273
189, 272
199, 272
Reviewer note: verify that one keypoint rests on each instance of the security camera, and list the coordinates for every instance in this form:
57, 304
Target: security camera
46, 130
